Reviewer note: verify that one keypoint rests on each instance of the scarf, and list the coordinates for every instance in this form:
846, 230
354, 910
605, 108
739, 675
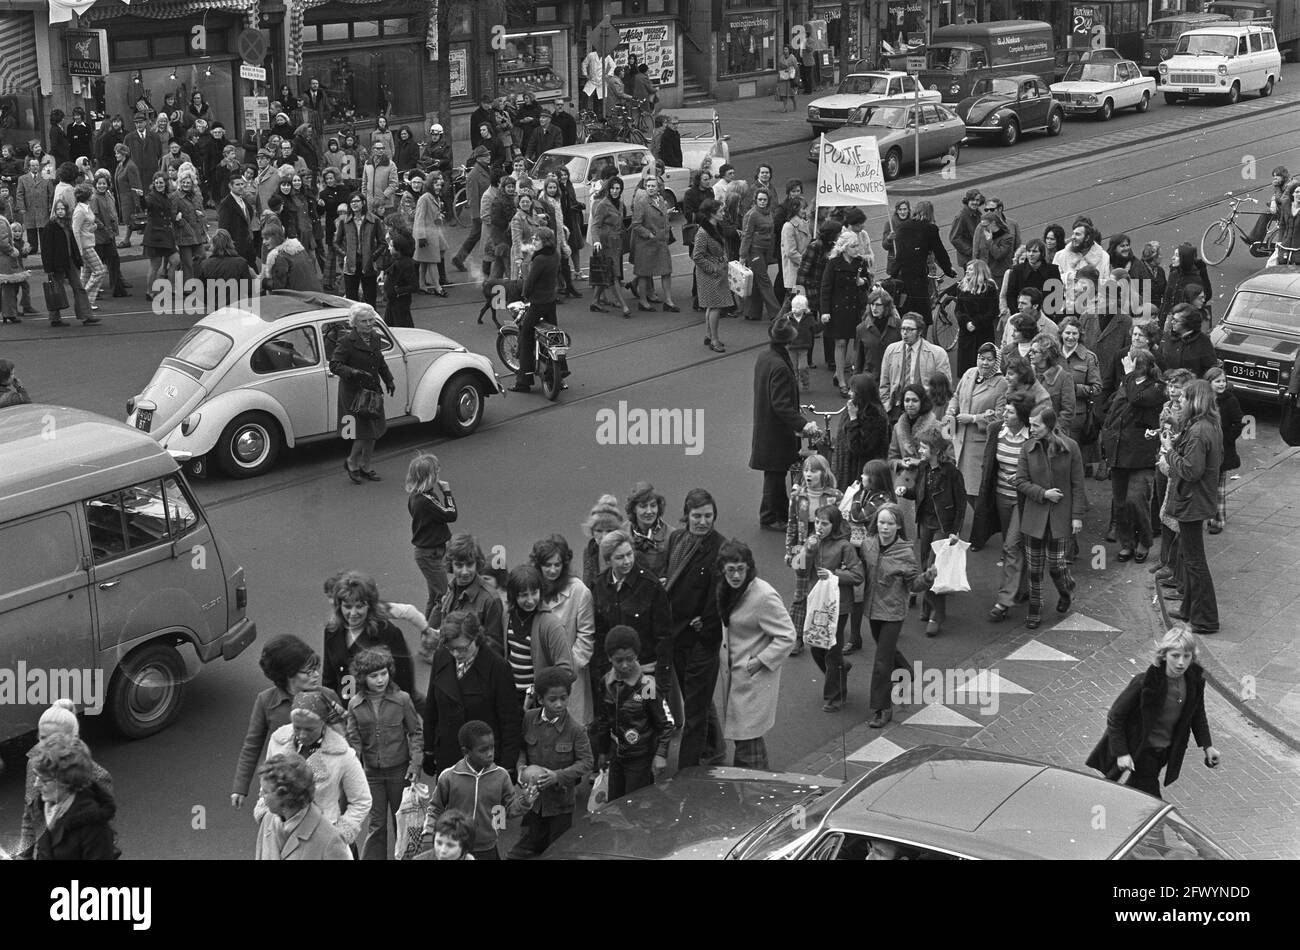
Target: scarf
679, 555
54, 813
729, 597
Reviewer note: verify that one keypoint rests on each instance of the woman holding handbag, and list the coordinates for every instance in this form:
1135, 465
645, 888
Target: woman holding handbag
787, 76
605, 235
650, 239
709, 255
61, 260
359, 363
1083, 365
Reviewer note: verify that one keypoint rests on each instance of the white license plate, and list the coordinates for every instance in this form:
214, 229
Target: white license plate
1191, 89
1252, 374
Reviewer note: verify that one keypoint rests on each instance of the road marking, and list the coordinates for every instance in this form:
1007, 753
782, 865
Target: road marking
1079, 622
1036, 650
877, 750
989, 681
937, 714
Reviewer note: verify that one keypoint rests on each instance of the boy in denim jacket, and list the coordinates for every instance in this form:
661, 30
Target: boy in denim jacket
387, 735
556, 756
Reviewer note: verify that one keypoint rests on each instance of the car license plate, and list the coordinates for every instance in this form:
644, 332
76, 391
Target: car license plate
143, 419
1191, 89
1250, 373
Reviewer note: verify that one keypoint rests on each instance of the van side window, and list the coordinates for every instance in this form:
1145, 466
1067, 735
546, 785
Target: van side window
1241, 46
136, 518
1256, 43
1268, 41
38, 550
181, 516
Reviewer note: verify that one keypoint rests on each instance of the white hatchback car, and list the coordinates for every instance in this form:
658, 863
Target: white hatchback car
588, 161
252, 378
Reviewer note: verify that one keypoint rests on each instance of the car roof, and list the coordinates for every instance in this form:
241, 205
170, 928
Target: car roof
588, 149
1283, 280
55, 455
236, 319
988, 805
889, 73
1225, 27
693, 115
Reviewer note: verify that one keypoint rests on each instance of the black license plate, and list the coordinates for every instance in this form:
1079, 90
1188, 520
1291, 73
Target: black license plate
1249, 373
143, 419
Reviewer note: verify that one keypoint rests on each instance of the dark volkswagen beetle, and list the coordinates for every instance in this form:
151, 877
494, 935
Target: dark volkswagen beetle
1005, 107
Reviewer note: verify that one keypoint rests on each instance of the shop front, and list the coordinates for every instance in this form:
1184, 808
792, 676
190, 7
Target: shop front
653, 42
748, 48
842, 43
20, 103
1115, 23
536, 62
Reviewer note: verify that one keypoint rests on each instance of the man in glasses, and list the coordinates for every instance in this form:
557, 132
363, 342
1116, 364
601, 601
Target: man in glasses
962, 234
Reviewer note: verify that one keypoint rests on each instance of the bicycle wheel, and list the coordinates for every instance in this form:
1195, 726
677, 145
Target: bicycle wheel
1217, 241
944, 327
635, 137
508, 348
458, 206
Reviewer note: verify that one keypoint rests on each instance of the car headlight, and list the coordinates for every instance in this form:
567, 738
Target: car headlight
130, 405
954, 89
191, 423
1163, 69
1092, 99
1223, 70
814, 112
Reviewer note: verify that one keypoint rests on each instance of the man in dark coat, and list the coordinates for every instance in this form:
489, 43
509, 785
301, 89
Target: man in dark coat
692, 585
80, 136
777, 423
235, 215
546, 137
60, 147
468, 681
480, 117
146, 149
1186, 347
304, 146
962, 235
564, 121
670, 145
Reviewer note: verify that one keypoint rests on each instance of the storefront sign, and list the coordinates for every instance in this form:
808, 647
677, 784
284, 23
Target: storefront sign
1082, 19
257, 112
758, 21
87, 52
849, 173
654, 44
458, 69
255, 73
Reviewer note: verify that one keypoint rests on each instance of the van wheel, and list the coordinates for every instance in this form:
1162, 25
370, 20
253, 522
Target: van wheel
1145, 102
249, 445
1010, 132
1173, 98
461, 409
1107, 110
145, 695
1233, 94
1268, 88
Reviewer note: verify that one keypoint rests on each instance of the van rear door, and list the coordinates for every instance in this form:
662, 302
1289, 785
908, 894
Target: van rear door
45, 617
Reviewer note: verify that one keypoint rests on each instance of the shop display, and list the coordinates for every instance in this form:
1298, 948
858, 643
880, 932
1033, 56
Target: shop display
654, 44
532, 64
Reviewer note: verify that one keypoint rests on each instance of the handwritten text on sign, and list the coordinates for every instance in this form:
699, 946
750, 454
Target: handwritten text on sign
849, 173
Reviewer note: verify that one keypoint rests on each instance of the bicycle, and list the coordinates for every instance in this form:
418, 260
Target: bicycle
459, 196
821, 443
618, 126
943, 325
1221, 236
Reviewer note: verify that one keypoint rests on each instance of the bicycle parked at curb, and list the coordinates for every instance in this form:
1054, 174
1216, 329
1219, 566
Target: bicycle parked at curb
1221, 236
619, 125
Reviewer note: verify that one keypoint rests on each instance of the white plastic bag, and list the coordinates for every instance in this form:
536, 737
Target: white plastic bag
410, 820
822, 613
950, 566
740, 279
599, 791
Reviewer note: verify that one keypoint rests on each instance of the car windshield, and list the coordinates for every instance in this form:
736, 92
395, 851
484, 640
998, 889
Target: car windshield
1207, 44
697, 129
1090, 72
203, 347
1166, 29
888, 117
1173, 839
552, 162
947, 58
864, 85
1266, 311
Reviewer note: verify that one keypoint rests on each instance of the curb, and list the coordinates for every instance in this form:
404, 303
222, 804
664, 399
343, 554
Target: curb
770, 145
1084, 152
1273, 721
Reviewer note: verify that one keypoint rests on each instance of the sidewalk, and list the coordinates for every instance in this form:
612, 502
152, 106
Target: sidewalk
759, 125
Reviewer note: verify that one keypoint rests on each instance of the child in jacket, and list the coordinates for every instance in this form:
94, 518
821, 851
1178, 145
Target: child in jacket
480, 788
828, 552
940, 496
633, 725
469, 591
402, 280
556, 756
815, 489
387, 735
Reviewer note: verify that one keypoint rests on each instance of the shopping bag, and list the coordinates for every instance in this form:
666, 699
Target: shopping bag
950, 566
599, 791
740, 279
822, 613
410, 820
56, 296
600, 272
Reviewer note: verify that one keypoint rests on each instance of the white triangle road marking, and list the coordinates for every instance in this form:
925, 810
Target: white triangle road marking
937, 714
988, 681
877, 750
1084, 623
1036, 650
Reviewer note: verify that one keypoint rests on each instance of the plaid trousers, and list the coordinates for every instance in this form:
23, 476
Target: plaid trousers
1221, 516
1052, 553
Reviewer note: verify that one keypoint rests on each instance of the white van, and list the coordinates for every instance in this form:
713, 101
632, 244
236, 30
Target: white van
1224, 60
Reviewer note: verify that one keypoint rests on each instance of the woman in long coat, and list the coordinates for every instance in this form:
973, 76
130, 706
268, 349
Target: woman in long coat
1134, 411
845, 285
160, 228
759, 251
1193, 458
977, 404
359, 364
757, 636
430, 242
650, 255
605, 235
710, 258
977, 313
1148, 726
129, 191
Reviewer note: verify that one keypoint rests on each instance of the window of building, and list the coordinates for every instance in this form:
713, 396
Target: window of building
365, 67
533, 62
166, 46
748, 43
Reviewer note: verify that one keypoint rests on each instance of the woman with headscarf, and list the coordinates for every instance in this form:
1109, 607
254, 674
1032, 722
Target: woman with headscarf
605, 235
359, 363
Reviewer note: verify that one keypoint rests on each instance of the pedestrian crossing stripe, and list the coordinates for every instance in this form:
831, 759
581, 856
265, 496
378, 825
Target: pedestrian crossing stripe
1036, 650
937, 714
1083, 623
990, 681
878, 750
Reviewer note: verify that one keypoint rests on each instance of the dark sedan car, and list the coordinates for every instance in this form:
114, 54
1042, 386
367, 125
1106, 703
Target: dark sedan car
930, 803
1006, 107
1258, 339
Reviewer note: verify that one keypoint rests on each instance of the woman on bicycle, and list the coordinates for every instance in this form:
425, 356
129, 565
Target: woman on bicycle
977, 313
1288, 226
1265, 221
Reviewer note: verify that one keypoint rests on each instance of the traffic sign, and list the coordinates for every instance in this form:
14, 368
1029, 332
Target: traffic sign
255, 73
252, 47
915, 64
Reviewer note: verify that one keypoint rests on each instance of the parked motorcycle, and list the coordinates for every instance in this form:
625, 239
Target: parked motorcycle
552, 349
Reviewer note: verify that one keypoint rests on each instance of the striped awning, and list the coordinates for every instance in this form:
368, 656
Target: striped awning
170, 9
18, 54
296, 9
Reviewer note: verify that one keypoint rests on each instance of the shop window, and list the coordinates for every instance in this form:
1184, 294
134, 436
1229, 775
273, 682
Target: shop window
170, 46
533, 63
130, 49
365, 28
333, 32
360, 84
460, 20
749, 43
396, 27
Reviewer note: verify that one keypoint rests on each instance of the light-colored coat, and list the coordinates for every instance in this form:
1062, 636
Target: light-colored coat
931, 358
968, 441
795, 237
379, 185
336, 768
760, 627
574, 610
34, 199
315, 839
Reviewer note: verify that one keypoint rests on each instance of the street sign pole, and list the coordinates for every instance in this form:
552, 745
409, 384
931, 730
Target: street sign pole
914, 66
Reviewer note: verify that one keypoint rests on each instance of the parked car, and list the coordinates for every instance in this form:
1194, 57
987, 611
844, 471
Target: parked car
701, 133
586, 162
863, 89
253, 378
1259, 337
1101, 88
941, 133
929, 803
1067, 57
1006, 107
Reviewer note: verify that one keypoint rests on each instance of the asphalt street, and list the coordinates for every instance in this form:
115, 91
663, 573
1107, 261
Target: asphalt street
535, 468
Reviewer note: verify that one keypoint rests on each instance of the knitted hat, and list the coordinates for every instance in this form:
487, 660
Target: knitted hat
62, 716
605, 513
781, 330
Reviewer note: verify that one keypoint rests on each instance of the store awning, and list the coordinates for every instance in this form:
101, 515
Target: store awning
169, 9
18, 72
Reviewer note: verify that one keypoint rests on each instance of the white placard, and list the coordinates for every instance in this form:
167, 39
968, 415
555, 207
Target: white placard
848, 173
255, 73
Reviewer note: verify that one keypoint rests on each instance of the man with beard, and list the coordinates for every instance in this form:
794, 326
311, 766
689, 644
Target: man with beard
1185, 346
962, 234
1081, 250
692, 584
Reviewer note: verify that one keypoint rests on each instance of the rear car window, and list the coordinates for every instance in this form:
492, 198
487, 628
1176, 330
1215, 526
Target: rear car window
1266, 311
203, 347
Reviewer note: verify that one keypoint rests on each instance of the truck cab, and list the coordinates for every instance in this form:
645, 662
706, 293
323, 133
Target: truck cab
961, 55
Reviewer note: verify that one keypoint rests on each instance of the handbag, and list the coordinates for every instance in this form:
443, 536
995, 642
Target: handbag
949, 566
905, 477
600, 271
740, 279
56, 295
1091, 430
786, 73
688, 234
599, 791
822, 614
410, 820
368, 404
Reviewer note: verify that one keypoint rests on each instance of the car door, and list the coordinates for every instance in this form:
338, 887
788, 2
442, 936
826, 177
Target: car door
1032, 105
154, 566
631, 165
289, 368
395, 406
45, 605
933, 134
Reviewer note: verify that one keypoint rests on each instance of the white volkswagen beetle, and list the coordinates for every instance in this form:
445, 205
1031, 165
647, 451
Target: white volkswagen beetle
252, 378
